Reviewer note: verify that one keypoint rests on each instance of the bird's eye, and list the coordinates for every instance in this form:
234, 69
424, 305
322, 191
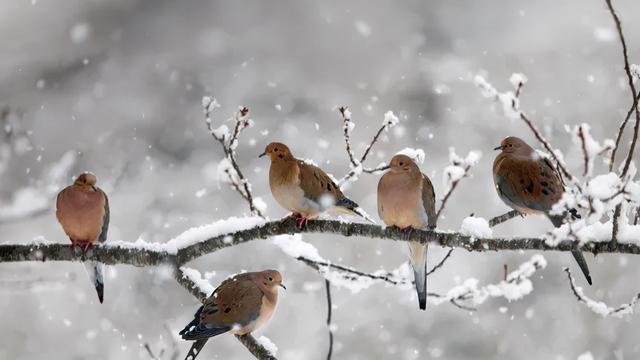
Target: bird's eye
401, 163
510, 145
270, 279
275, 149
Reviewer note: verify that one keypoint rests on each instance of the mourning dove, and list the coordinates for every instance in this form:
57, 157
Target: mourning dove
83, 211
304, 189
529, 183
240, 305
406, 200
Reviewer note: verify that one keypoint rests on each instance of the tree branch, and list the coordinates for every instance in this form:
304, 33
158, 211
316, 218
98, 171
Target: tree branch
116, 254
327, 285
599, 307
504, 217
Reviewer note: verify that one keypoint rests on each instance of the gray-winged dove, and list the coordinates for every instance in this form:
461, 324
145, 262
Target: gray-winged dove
83, 211
240, 305
529, 183
406, 200
304, 189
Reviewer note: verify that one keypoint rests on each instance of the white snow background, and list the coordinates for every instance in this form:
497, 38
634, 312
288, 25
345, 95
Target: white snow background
119, 85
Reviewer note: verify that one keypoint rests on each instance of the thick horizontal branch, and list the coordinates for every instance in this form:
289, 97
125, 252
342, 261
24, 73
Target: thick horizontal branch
145, 257
106, 254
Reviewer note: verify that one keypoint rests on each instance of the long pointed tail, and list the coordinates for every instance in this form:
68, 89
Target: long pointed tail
96, 275
350, 207
582, 262
195, 349
577, 254
418, 256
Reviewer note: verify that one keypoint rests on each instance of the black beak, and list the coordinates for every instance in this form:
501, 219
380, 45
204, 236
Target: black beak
263, 154
282, 286
498, 148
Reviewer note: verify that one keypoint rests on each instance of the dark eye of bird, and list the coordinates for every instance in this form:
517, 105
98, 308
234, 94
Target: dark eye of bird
401, 163
275, 150
270, 279
510, 145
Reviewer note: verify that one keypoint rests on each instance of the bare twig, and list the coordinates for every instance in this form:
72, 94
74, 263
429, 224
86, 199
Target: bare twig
632, 88
623, 124
328, 288
585, 153
441, 263
504, 217
599, 307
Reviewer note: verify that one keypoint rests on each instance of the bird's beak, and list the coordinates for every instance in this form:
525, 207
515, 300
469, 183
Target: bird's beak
497, 148
282, 286
263, 154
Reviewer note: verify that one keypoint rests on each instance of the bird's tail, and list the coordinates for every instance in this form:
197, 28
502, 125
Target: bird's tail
557, 221
96, 275
350, 207
418, 256
195, 349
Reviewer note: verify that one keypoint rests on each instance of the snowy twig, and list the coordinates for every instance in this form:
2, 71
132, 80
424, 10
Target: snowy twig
327, 285
504, 217
247, 340
453, 187
599, 307
390, 120
585, 153
229, 143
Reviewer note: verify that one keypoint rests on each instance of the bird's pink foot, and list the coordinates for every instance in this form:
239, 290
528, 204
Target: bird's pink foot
300, 219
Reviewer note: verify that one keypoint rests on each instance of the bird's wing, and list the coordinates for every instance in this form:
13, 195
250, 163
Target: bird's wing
528, 183
105, 219
236, 302
429, 200
315, 183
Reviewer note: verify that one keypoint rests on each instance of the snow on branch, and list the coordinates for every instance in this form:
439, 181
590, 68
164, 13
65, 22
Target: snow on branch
516, 285
458, 169
153, 254
229, 142
390, 120
600, 307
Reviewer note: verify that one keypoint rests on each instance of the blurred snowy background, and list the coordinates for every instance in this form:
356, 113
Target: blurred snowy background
115, 87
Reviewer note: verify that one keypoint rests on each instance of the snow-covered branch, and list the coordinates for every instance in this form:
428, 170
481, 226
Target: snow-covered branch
600, 307
201, 241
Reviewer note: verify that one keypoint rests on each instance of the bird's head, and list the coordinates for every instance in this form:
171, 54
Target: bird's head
270, 280
277, 151
86, 180
514, 145
402, 163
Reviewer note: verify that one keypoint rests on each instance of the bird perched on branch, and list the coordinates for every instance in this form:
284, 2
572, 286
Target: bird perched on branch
305, 189
83, 211
406, 200
529, 183
240, 305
